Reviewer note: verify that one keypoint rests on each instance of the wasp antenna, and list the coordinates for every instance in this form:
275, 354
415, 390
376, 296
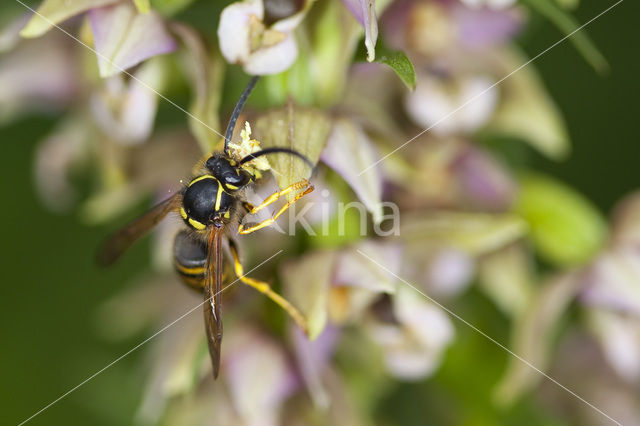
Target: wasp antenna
236, 111
276, 150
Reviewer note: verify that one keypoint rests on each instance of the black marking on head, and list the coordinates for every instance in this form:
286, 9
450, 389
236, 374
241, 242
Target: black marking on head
232, 177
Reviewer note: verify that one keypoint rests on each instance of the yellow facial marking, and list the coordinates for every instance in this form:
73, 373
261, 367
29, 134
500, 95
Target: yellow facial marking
227, 214
196, 224
231, 187
198, 179
183, 213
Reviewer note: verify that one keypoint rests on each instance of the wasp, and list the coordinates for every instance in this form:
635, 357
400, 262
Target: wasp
211, 204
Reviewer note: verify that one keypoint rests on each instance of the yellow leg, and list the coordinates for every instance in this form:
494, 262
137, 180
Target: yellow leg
272, 198
266, 289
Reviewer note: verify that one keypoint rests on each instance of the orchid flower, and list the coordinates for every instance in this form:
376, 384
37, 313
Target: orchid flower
122, 35
260, 48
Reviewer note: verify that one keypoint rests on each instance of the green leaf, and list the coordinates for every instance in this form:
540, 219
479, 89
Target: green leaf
400, 63
296, 82
569, 26
333, 39
565, 227
171, 7
568, 4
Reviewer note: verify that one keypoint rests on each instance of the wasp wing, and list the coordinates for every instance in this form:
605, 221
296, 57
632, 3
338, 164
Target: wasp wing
122, 240
212, 289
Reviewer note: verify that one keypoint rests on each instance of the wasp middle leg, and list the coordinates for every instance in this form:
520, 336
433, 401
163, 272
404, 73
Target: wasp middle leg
270, 200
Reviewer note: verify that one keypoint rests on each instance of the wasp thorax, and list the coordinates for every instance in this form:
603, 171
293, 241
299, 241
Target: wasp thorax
205, 203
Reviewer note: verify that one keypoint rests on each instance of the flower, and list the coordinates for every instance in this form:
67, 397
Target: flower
122, 36
23, 85
126, 110
491, 4
413, 345
365, 12
611, 292
469, 224
260, 48
452, 106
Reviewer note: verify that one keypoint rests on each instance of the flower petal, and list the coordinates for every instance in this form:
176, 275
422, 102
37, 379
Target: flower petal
234, 29
56, 157
304, 130
448, 271
491, 4
245, 39
613, 281
474, 233
446, 108
481, 28
428, 323
527, 111
313, 358
53, 12
484, 182
355, 270
306, 285
25, 85
259, 375
626, 221
358, 281
205, 73
414, 347
274, 59
10, 31
619, 337
533, 333
124, 38
506, 276
128, 113
348, 152
365, 12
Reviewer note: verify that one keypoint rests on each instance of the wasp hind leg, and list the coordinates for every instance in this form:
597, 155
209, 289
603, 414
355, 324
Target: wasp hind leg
270, 200
266, 289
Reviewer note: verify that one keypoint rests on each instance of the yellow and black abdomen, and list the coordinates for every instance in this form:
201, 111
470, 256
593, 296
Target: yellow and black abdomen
190, 259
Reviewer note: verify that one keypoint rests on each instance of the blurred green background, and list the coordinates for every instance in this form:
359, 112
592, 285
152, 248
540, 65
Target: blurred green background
51, 289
